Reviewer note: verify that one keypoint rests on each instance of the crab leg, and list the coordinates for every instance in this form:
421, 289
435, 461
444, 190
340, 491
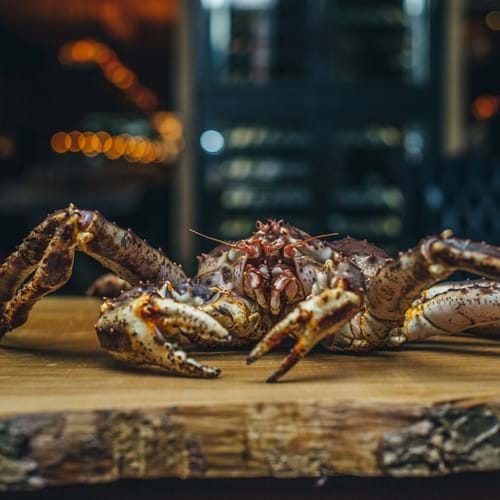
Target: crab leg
313, 320
450, 308
24, 260
143, 327
48, 252
398, 283
53, 271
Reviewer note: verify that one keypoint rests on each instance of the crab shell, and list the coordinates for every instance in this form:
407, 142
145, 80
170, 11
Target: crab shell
280, 265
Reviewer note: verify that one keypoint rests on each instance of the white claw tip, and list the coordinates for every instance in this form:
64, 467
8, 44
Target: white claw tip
180, 355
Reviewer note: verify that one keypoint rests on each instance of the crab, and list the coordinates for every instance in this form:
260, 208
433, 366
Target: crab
280, 282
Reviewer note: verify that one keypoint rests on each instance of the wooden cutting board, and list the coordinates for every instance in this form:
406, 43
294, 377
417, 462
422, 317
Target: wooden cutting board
69, 413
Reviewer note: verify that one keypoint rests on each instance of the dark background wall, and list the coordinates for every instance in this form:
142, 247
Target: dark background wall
375, 121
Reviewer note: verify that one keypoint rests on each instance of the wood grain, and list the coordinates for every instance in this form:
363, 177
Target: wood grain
70, 413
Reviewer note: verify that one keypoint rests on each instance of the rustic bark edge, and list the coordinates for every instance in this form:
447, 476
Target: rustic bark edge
311, 439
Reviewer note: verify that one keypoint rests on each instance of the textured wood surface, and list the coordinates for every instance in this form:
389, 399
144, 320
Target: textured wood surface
69, 413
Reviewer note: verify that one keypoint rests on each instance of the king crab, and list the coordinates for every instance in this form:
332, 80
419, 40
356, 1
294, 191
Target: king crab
277, 283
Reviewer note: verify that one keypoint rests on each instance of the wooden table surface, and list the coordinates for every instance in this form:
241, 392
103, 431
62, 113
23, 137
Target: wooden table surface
69, 413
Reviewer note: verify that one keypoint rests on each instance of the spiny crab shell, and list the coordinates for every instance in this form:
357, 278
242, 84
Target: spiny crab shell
280, 265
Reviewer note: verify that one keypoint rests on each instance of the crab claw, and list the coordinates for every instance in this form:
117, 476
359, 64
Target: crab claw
142, 327
241, 317
310, 322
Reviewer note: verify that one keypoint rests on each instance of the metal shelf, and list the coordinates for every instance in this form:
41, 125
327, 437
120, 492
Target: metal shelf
332, 121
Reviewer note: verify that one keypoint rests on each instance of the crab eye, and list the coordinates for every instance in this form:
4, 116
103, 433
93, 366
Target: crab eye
251, 251
290, 251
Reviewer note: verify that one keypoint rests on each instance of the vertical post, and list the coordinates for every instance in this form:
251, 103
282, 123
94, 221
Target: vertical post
453, 79
184, 193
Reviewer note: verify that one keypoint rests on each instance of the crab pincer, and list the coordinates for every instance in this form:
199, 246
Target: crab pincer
144, 328
314, 319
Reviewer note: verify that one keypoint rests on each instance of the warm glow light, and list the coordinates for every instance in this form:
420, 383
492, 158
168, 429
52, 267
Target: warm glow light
492, 20
60, 142
134, 149
484, 107
164, 152
105, 141
83, 51
119, 75
90, 51
149, 153
171, 127
140, 148
73, 143
89, 143
119, 145
126, 81
110, 67
158, 117
112, 154
158, 150
130, 145
82, 138
103, 53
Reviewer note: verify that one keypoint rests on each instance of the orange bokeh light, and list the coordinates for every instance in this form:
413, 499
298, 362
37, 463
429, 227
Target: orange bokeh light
74, 139
112, 154
163, 153
89, 143
104, 140
103, 53
130, 145
83, 51
90, 51
134, 149
140, 148
60, 142
120, 74
110, 67
171, 127
484, 107
119, 144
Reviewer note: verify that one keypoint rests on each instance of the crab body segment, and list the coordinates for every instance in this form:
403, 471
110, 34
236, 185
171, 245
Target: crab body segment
280, 282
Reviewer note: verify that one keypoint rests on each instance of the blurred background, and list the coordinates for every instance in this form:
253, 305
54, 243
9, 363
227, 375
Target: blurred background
374, 119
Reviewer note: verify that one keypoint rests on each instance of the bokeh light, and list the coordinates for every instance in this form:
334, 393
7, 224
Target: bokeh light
212, 141
89, 51
60, 142
484, 107
132, 148
492, 20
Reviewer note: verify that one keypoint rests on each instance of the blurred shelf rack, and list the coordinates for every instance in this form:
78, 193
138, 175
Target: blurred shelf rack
324, 113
